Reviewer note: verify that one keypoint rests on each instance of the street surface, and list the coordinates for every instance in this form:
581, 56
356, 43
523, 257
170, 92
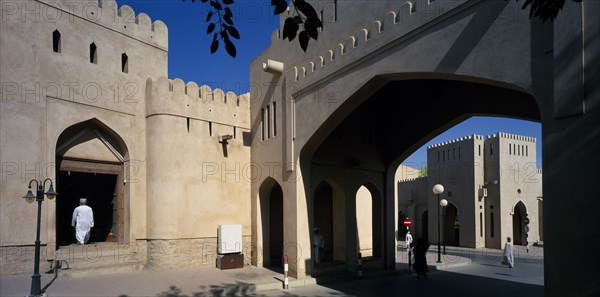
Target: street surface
484, 276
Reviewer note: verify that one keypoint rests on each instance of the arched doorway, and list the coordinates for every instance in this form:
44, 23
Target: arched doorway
271, 216
401, 228
451, 235
519, 214
329, 217
369, 221
90, 164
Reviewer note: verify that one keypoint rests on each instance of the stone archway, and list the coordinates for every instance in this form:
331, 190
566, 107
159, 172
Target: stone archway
369, 221
330, 217
519, 214
91, 164
271, 220
451, 229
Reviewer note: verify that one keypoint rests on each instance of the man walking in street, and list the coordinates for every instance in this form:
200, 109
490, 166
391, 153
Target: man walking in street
82, 221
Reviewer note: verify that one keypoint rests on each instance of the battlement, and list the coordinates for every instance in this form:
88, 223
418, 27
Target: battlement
106, 13
174, 97
512, 136
413, 180
458, 140
408, 16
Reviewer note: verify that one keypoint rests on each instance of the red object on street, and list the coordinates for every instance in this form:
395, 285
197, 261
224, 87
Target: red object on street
285, 273
407, 222
526, 221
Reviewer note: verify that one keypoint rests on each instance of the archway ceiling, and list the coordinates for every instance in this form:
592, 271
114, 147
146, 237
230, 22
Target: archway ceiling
403, 115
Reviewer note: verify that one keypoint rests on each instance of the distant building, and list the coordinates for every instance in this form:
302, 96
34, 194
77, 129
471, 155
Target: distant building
491, 184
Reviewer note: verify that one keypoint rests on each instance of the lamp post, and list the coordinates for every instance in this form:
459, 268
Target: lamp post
438, 190
36, 286
443, 204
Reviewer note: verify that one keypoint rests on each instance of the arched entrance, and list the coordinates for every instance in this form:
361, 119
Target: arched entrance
369, 221
519, 214
271, 217
401, 228
451, 235
90, 164
329, 217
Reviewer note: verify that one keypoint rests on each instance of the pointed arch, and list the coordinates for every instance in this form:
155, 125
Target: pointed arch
519, 213
451, 229
270, 222
369, 218
91, 162
329, 215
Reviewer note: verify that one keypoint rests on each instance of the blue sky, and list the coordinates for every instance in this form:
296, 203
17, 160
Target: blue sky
190, 60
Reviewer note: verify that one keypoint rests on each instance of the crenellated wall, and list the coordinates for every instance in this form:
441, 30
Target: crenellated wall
193, 173
174, 97
108, 14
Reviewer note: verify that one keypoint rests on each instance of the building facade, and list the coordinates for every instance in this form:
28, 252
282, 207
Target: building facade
492, 186
86, 103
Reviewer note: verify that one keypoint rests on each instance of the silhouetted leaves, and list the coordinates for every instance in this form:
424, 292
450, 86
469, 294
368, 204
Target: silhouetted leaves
230, 47
303, 14
233, 32
280, 6
211, 27
303, 39
290, 29
214, 46
224, 23
544, 9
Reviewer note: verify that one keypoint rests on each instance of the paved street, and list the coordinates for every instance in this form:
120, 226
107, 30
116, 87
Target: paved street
470, 280
484, 276
465, 272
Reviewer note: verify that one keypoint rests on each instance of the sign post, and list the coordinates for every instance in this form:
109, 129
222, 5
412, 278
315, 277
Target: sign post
526, 222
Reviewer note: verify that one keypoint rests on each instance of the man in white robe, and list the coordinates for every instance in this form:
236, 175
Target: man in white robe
82, 221
318, 245
508, 254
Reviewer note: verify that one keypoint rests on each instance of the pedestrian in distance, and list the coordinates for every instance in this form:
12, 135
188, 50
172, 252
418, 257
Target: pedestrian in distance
508, 258
82, 221
420, 249
318, 245
409, 241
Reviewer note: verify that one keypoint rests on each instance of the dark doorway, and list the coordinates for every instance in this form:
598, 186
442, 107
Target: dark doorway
99, 189
323, 213
519, 215
276, 226
451, 235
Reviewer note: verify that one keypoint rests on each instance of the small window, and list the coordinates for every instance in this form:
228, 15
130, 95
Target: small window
268, 121
510, 149
526, 151
124, 63
491, 148
262, 124
480, 149
480, 224
274, 119
56, 41
459, 152
93, 54
491, 224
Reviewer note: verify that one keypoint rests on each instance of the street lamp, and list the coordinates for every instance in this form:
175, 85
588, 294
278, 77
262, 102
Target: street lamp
438, 190
443, 204
36, 287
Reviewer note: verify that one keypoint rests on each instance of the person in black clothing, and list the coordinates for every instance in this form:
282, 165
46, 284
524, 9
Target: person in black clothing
420, 249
